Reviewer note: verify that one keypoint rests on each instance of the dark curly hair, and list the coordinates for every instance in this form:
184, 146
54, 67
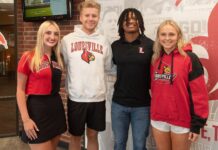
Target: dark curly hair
124, 17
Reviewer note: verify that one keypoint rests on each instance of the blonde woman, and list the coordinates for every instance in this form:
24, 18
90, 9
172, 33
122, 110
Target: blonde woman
38, 83
179, 105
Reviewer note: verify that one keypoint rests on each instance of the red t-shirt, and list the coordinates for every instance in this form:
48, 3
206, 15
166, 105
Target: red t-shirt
40, 82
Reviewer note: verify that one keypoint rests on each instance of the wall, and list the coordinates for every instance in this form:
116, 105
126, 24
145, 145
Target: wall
26, 36
198, 20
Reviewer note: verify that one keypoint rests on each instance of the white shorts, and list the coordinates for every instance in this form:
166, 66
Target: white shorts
166, 127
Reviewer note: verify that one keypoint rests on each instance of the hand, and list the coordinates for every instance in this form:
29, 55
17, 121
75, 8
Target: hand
193, 136
30, 129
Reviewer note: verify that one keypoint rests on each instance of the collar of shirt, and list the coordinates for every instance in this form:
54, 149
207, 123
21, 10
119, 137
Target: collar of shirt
135, 42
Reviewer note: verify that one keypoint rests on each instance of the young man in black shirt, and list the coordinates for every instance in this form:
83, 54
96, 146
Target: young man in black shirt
131, 99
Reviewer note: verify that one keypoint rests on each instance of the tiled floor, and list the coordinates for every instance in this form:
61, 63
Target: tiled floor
14, 143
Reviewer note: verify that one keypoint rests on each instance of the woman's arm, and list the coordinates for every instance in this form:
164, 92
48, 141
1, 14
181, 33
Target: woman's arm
29, 126
21, 97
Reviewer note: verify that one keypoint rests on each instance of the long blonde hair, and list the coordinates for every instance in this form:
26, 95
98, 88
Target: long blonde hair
157, 48
39, 48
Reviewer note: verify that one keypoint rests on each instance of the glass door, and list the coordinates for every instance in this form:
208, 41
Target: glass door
8, 109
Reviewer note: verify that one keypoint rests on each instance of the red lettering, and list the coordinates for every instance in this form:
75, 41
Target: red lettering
203, 131
101, 47
216, 132
83, 46
76, 46
93, 47
88, 46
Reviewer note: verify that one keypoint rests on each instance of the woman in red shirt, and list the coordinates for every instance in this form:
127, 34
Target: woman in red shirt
38, 84
179, 105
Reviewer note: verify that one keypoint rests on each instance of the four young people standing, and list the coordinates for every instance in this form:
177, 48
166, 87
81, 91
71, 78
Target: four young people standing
87, 58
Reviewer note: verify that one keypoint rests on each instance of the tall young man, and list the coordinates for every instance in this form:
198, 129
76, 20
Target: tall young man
131, 100
87, 56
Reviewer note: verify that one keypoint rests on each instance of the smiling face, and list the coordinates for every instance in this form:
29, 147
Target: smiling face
130, 25
168, 37
89, 18
51, 37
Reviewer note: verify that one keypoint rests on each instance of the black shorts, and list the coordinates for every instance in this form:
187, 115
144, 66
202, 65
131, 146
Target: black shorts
80, 114
47, 112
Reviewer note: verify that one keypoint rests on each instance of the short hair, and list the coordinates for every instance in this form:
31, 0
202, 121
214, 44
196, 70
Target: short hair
123, 17
89, 4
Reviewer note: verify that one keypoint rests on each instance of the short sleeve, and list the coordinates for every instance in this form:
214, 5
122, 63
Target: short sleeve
24, 64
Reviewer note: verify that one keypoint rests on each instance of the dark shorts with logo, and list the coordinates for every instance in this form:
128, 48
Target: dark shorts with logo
81, 114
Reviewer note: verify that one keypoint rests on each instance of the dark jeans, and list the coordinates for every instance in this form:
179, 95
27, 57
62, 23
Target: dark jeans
122, 117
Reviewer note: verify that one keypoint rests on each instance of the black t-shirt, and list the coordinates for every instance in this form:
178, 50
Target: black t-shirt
133, 62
